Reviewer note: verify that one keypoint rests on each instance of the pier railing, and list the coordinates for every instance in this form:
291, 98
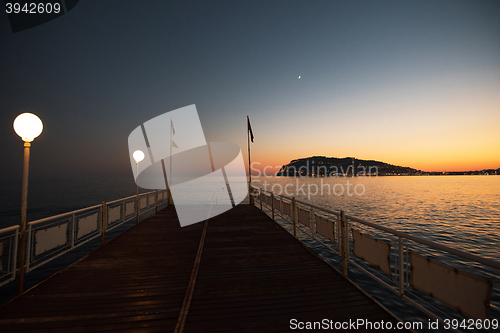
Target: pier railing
51, 237
8, 253
432, 277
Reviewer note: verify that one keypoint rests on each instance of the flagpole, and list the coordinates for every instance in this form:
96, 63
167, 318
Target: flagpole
170, 180
170, 177
249, 164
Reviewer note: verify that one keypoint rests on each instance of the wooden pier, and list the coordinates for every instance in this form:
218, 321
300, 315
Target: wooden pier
238, 272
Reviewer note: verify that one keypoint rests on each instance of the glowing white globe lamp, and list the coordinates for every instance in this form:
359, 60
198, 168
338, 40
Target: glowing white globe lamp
28, 126
138, 156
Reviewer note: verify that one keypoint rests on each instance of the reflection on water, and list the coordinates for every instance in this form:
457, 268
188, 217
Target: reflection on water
458, 211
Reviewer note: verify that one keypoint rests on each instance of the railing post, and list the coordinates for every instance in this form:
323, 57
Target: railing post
260, 198
294, 217
123, 210
401, 267
73, 223
156, 202
344, 241
170, 199
338, 232
137, 210
312, 223
28, 255
103, 221
250, 194
14, 257
272, 204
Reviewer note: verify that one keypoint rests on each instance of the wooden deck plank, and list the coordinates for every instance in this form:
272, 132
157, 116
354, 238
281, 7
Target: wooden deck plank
258, 277
139, 277
253, 277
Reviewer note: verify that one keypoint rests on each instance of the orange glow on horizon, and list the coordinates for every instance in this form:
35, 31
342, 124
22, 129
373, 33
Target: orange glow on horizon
453, 129
273, 164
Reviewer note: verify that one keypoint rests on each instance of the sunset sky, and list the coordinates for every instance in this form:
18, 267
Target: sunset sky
411, 83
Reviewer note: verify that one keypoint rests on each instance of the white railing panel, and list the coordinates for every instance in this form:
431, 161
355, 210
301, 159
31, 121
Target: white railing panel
143, 203
325, 228
114, 214
372, 250
463, 292
87, 224
129, 208
276, 204
8, 254
304, 217
51, 238
286, 208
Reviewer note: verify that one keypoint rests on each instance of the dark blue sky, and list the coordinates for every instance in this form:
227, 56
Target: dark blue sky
374, 74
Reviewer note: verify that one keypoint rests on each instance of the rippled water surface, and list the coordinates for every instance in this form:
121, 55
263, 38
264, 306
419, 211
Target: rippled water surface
459, 211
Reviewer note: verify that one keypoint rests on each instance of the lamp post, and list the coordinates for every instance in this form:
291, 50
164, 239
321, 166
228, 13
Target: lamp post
138, 156
28, 126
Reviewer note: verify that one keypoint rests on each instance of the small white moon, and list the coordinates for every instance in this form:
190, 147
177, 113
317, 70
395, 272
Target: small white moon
298, 78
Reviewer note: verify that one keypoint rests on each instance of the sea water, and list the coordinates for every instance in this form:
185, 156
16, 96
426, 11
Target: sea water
48, 197
458, 211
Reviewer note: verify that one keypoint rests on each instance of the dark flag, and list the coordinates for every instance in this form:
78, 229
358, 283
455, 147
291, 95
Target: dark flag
250, 129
